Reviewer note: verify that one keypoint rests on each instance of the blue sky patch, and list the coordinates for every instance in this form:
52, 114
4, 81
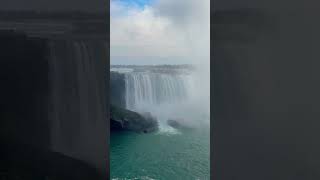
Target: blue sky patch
139, 3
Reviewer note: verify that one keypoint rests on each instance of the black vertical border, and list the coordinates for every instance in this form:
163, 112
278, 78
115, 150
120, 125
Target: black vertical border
212, 135
108, 88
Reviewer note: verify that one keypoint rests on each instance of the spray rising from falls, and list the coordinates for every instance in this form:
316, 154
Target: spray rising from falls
165, 95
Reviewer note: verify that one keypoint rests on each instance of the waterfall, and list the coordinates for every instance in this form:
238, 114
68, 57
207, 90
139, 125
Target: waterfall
77, 99
164, 95
153, 89
167, 92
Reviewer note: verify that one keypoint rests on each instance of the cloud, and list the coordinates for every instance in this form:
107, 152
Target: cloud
175, 30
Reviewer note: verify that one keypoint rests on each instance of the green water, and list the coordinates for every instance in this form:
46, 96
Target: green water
182, 155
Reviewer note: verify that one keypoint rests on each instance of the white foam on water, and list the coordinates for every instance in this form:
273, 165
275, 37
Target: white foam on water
165, 129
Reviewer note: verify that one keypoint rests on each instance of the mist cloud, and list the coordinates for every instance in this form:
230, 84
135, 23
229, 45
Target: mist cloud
162, 32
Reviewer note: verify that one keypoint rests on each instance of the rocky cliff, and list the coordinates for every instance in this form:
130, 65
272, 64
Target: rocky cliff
125, 120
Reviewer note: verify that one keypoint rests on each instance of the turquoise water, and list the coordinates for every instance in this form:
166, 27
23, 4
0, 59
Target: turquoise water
180, 155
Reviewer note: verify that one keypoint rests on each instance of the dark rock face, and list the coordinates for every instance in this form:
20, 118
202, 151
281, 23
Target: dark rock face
122, 119
179, 124
117, 89
174, 123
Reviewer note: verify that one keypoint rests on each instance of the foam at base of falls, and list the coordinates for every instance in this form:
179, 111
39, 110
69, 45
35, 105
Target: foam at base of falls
165, 129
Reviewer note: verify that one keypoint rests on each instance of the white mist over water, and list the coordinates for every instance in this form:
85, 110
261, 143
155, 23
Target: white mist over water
169, 96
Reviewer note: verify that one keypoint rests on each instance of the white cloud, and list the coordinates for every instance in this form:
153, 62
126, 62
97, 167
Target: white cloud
176, 30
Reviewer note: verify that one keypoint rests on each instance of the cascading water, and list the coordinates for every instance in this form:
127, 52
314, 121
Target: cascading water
164, 95
152, 89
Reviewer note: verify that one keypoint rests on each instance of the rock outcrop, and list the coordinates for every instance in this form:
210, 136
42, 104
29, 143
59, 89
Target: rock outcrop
123, 119
175, 123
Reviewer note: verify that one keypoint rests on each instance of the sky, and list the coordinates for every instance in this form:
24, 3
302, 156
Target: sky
160, 31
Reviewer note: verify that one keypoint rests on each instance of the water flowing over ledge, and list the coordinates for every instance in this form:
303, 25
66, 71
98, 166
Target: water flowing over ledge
166, 91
